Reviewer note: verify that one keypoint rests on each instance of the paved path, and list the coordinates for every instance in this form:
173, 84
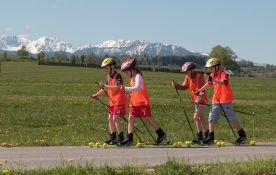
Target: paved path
45, 157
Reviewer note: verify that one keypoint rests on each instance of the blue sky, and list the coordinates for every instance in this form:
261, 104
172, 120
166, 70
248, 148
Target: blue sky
247, 26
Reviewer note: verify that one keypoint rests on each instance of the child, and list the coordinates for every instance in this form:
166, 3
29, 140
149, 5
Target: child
117, 100
194, 81
221, 101
139, 102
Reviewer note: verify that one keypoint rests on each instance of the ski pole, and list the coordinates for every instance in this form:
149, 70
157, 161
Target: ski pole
225, 115
185, 113
114, 103
242, 112
122, 118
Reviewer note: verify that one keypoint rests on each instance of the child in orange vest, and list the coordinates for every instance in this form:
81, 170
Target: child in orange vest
221, 101
117, 100
139, 103
194, 81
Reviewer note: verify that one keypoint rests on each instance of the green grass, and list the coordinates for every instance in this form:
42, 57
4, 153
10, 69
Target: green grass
172, 167
51, 103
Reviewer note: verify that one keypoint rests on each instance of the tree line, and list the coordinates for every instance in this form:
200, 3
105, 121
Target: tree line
226, 55
229, 60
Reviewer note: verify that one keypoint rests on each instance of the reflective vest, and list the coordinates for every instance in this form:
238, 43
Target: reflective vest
222, 93
195, 84
117, 97
139, 97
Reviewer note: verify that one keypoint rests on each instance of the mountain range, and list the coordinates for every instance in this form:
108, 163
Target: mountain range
50, 45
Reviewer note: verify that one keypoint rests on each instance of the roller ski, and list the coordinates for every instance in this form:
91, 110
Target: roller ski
162, 136
242, 138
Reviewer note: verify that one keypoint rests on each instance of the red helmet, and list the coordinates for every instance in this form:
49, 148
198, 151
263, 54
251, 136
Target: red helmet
128, 64
188, 66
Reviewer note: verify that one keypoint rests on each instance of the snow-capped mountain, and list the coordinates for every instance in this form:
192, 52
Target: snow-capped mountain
49, 45
46, 44
137, 47
110, 47
13, 43
114, 43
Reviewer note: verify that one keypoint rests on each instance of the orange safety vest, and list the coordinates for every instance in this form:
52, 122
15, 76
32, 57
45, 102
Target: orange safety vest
222, 93
195, 84
139, 97
117, 97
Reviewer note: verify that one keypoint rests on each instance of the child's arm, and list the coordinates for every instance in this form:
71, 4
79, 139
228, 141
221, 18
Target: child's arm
100, 92
119, 82
137, 86
182, 86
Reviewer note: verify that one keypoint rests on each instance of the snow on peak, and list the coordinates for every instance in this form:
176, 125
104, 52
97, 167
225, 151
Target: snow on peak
46, 44
114, 43
49, 44
111, 47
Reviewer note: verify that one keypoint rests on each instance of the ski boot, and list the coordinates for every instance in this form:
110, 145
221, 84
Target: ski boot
128, 141
112, 138
161, 136
205, 135
210, 139
119, 139
242, 137
199, 137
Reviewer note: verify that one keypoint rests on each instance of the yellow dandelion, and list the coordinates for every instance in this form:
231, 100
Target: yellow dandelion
70, 160
6, 171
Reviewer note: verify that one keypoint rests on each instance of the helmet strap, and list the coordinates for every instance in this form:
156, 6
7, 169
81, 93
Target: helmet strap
216, 70
192, 73
111, 70
131, 74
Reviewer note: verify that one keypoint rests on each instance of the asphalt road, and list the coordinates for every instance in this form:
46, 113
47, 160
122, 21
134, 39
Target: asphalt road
47, 157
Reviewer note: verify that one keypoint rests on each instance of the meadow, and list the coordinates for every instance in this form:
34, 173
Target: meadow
50, 105
252, 167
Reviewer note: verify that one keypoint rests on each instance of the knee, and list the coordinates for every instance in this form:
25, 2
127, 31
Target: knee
110, 118
130, 119
196, 118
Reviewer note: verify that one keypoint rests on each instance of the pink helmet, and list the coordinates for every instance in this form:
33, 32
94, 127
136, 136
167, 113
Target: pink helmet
128, 64
188, 66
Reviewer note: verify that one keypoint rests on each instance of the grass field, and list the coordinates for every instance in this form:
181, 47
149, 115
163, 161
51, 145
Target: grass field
253, 167
49, 105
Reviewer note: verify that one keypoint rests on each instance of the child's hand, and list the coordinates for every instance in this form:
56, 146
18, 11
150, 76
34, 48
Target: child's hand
197, 92
208, 77
122, 87
101, 85
174, 83
94, 96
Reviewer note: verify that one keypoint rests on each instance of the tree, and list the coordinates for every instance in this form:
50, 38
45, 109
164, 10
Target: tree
5, 55
82, 58
41, 55
60, 57
73, 59
226, 56
23, 51
89, 59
